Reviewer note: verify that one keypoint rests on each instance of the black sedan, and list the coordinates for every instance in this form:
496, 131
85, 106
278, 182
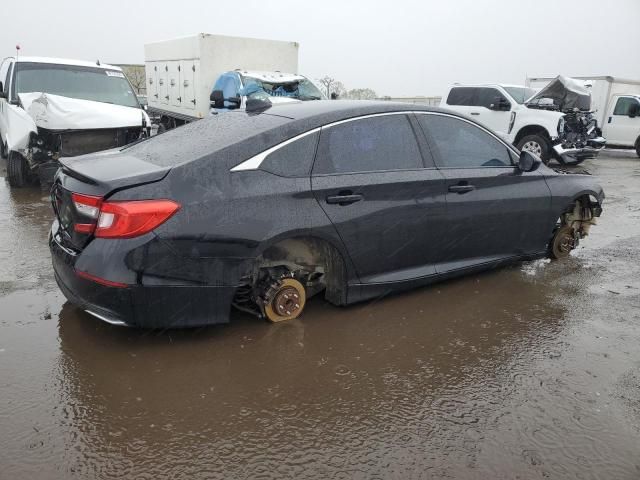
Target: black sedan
351, 200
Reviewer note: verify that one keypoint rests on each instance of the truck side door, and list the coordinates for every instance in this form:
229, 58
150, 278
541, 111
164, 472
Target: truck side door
493, 109
620, 128
462, 99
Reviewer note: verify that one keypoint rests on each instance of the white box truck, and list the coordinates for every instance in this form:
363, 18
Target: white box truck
181, 72
616, 102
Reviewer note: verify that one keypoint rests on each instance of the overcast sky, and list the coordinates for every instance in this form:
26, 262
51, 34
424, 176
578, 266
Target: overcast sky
398, 48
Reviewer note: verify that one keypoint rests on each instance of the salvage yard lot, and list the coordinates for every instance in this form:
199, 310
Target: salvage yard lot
527, 371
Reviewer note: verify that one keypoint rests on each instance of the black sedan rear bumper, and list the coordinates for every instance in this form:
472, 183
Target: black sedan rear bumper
155, 306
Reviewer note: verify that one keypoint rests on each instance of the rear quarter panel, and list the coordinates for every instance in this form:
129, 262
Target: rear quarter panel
226, 220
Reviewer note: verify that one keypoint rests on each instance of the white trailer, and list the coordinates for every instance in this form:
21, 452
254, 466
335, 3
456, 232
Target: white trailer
181, 72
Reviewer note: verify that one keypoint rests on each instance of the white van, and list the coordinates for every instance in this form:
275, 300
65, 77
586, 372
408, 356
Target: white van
52, 108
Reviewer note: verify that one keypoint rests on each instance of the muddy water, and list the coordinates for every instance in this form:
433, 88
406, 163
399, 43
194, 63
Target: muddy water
527, 372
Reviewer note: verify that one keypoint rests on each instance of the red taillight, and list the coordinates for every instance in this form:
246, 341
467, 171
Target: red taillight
133, 218
88, 206
121, 219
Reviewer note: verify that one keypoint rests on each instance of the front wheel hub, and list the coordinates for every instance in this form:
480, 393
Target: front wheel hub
563, 242
286, 302
533, 147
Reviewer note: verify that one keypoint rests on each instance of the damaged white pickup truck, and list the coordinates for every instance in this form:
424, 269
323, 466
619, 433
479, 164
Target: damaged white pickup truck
52, 108
556, 122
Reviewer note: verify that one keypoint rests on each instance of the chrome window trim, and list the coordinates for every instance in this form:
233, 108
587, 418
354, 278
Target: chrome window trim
254, 162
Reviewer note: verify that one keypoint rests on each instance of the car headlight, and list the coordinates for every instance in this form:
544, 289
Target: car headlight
561, 126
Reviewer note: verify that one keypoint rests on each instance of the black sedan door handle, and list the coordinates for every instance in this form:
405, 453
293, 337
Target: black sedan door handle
344, 198
461, 188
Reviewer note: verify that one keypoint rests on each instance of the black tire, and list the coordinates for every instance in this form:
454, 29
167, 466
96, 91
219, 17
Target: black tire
17, 170
638, 146
543, 149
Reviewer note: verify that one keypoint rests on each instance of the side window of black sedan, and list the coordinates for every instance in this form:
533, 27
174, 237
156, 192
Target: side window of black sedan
460, 144
294, 159
379, 143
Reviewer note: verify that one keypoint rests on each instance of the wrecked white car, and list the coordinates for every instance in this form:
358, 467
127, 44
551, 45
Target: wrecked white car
52, 108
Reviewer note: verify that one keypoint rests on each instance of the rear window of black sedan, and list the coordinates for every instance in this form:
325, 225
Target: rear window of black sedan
203, 137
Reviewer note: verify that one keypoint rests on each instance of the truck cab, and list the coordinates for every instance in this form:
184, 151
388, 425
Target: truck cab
622, 123
52, 108
232, 89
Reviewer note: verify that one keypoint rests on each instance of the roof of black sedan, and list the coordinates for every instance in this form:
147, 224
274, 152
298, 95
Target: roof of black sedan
240, 134
339, 109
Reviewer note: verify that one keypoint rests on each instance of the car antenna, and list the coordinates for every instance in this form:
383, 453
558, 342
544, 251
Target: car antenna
98, 62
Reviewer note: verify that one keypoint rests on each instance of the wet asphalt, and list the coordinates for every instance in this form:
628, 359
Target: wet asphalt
531, 371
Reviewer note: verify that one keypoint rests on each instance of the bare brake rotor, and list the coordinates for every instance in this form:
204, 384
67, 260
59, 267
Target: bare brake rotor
563, 242
285, 300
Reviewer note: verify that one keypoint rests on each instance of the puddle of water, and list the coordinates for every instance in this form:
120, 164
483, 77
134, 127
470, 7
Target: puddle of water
529, 371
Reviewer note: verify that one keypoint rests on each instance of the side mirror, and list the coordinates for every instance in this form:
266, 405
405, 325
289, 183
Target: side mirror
528, 162
634, 109
235, 101
217, 99
500, 104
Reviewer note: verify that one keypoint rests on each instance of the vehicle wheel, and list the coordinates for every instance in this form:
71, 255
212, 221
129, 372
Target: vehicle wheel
536, 144
285, 301
17, 170
638, 146
564, 240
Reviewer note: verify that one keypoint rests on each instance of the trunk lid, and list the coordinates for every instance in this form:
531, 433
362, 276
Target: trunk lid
98, 176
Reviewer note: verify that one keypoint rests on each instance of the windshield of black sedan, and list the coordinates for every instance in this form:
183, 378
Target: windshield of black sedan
301, 89
83, 83
520, 94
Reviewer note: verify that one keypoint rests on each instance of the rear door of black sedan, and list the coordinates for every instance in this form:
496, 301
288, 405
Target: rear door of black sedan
376, 181
494, 210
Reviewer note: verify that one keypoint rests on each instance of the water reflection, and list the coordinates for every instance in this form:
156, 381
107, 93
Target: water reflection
343, 390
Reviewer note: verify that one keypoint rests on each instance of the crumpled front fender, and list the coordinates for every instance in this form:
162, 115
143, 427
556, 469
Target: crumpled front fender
20, 126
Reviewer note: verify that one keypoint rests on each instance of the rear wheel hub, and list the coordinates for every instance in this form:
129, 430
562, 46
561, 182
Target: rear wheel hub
286, 302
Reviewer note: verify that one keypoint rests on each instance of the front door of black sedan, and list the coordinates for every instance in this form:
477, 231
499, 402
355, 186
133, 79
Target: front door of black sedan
369, 177
494, 210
